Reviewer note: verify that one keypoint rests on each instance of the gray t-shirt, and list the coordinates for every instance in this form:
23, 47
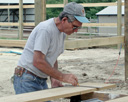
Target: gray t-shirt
46, 38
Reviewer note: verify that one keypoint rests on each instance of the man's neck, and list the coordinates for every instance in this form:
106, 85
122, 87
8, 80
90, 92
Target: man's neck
58, 24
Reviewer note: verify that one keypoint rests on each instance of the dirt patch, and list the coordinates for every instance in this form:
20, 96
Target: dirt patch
89, 65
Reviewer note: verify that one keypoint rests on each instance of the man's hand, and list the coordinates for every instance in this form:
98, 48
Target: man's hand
55, 83
70, 78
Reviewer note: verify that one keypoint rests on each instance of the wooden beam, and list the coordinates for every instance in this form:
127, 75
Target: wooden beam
72, 44
8, 24
28, 6
60, 5
99, 4
20, 19
119, 20
40, 11
16, 24
13, 43
83, 25
99, 24
65, 2
9, 7
29, 24
126, 40
55, 93
54, 5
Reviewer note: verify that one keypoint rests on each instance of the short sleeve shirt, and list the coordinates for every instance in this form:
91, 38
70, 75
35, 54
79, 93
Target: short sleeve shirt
46, 38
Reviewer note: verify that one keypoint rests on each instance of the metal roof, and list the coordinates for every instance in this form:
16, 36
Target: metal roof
110, 10
15, 1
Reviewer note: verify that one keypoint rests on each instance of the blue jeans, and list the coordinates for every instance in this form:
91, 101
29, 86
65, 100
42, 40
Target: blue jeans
29, 83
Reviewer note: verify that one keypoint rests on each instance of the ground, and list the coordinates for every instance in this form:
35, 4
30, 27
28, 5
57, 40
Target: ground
89, 65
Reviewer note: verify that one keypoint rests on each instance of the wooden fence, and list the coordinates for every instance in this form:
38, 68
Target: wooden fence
21, 6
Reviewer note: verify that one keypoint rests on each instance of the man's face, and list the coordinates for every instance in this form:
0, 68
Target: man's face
71, 27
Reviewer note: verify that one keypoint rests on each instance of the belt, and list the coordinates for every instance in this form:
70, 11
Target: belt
20, 70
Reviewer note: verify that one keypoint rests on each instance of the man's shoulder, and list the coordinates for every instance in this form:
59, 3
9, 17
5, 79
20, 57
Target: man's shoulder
47, 22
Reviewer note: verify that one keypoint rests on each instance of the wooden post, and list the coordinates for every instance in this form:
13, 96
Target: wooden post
126, 40
119, 19
8, 15
65, 2
20, 19
40, 11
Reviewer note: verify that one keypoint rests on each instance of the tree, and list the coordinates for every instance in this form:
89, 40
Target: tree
90, 11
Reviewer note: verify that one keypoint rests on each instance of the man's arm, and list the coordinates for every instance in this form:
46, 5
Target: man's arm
40, 63
54, 82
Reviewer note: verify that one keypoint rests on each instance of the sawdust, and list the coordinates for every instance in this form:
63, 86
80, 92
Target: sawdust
93, 65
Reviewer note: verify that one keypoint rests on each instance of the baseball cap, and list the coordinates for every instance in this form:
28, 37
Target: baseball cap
77, 10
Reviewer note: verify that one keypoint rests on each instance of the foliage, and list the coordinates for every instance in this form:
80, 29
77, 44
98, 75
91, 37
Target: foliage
90, 11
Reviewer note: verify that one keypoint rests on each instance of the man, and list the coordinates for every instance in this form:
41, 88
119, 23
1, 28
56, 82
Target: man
44, 45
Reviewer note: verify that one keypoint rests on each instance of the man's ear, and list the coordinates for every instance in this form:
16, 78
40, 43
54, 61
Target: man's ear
64, 19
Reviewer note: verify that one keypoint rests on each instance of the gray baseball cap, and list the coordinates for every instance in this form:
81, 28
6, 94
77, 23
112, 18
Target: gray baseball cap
77, 10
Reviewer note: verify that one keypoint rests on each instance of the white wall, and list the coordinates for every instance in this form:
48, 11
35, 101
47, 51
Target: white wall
109, 30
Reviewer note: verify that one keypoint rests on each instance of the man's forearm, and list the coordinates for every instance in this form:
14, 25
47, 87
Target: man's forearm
47, 69
56, 65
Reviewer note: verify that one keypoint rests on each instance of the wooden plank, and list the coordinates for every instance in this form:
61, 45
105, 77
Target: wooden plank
54, 5
83, 25
29, 24
9, 7
40, 11
16, 6
28, 6
65, 2
72, 44
122, 99
99, 24
99, 4
16, 24
119, 20
20, 19
55, 93
60, 5
12, 43
8, 24
126, 40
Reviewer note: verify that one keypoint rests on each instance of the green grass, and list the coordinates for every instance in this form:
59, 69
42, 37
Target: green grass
4, 38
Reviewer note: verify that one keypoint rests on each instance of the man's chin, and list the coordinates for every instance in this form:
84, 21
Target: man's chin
69, 33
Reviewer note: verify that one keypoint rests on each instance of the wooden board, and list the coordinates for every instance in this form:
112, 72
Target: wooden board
71, 44
123, 99
16, 24
61, 5
12, 43
99, 24
51, 94
83, 25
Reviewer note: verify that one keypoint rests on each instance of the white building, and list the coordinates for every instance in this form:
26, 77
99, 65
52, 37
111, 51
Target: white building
109, 15
12, 15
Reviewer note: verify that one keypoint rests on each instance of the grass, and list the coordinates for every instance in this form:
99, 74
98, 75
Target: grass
4, 38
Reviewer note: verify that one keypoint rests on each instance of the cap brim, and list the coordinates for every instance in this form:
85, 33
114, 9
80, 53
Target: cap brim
82, 19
